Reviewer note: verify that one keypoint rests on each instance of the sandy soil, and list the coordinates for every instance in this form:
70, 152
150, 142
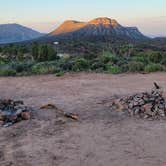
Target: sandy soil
100, 138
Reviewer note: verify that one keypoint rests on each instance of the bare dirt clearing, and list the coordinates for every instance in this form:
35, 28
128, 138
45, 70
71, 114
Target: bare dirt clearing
99, 138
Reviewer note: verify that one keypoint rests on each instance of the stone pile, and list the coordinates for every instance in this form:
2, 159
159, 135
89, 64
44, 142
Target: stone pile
12, 112
144, 105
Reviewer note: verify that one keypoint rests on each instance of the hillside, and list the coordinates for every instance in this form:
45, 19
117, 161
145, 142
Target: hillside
10, 33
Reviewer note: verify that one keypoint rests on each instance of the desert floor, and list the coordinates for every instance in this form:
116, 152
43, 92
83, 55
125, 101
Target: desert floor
100, 137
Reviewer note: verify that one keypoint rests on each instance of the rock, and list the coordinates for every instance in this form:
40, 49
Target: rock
147, 107
131, 106
161, 112
8, 124
71, 116
49, 106
18, 112
1, 117
137, 110
19, 102
136, 103
25, 115
119, 106
13, 111
147, 104
146, 117
141, 102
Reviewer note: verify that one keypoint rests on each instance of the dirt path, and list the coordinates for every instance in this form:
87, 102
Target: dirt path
100, 138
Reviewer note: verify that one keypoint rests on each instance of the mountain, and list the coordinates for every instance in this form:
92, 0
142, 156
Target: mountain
11, 33
159, 41
99, 28
68, 26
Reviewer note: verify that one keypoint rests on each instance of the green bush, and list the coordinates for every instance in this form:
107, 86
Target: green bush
155, 57
107, 57
154, 67
135, 66
80, 64
124, 68
7, 71
141, 57
66, 64
97, 65
3, 61
113, 69
45, 68
59, 74
122, 61
163, 62
22, 67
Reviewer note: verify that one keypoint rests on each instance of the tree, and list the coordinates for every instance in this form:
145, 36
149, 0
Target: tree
43, 53
35, 51
52, 54
20, 56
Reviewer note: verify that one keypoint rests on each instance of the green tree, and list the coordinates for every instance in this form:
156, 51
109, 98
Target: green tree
35, 51
44, 52
155, 57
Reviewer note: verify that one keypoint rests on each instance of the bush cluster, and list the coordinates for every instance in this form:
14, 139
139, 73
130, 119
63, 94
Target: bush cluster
43, 59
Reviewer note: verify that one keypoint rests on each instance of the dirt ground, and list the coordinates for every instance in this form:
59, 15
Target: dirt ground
100, 138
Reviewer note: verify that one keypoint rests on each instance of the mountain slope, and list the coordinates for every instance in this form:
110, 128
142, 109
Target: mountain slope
10, 33
68, 26
98, 28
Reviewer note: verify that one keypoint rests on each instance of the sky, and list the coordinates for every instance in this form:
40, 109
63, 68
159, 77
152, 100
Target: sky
45, 15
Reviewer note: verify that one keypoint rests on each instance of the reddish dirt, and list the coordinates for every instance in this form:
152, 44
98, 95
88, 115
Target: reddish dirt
100, 138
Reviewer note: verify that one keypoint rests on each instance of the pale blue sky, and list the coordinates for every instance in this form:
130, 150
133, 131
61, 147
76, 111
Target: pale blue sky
148, 15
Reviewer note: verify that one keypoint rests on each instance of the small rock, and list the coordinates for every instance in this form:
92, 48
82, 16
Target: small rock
146, 117
161, 112
25, 115
1, 117
147, 107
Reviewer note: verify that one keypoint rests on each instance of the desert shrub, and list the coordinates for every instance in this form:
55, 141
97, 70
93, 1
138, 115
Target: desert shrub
22, 67
3, 61
113, 69
60, 73
135, 66
45, 68
141, 57
154, 67
155, 57
80, 64
97, 65
163, 62
108, 57
6, 70
124, 68
66, 64
122, 61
